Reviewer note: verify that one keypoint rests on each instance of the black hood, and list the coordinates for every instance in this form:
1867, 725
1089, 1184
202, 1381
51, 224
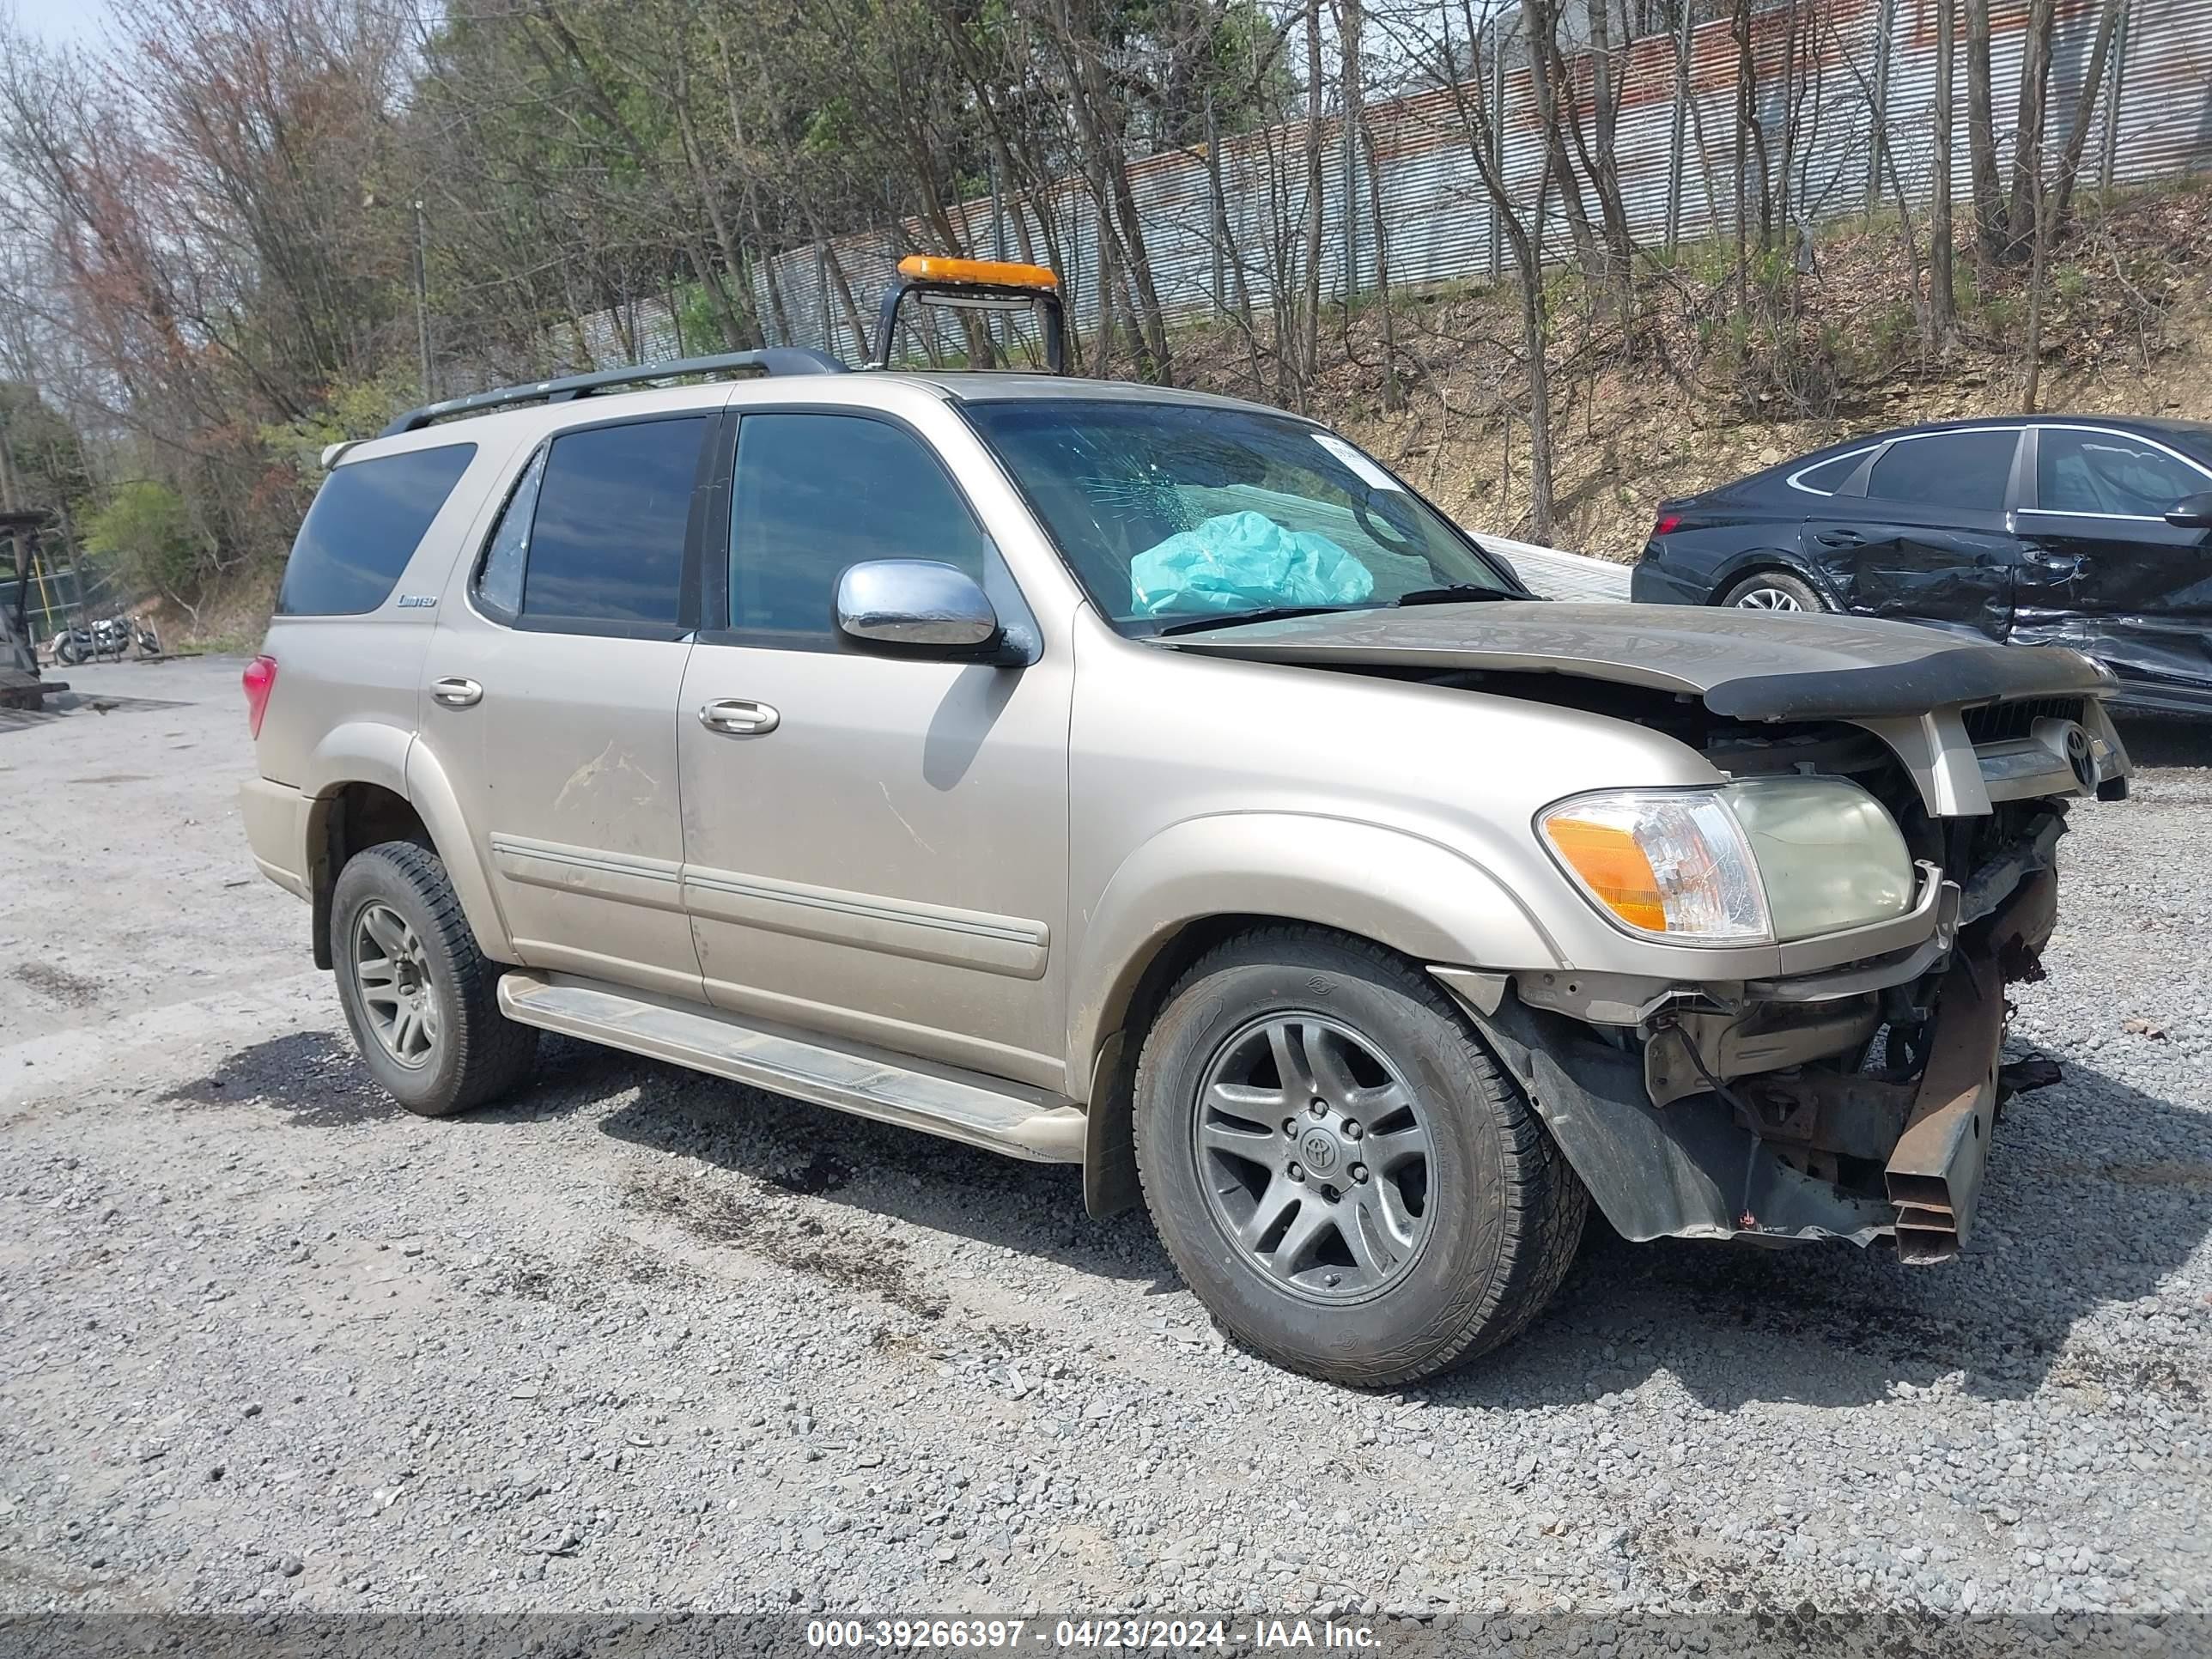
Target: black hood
1745, 664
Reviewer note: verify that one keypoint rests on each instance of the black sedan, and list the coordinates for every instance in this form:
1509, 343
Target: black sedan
2089, 531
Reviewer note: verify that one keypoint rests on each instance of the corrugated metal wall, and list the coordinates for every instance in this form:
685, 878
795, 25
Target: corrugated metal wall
1836, 62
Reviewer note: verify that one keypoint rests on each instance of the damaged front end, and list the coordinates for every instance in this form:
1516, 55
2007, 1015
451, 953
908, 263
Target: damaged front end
1856, 1102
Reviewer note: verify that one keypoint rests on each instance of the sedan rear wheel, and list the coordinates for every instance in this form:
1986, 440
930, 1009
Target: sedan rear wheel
1774, 590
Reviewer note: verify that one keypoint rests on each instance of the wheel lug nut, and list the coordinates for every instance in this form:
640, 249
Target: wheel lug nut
1296, 1173
1352, 1131
1360, 1172
1291, 1127
1319, 1109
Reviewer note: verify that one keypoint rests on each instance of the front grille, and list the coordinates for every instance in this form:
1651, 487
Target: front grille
1999, 722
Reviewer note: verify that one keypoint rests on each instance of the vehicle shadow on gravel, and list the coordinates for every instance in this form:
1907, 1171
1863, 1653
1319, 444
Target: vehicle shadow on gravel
810, 1151
313, 1078
2096, 1193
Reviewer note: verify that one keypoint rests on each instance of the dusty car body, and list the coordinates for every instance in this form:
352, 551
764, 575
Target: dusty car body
1306, 929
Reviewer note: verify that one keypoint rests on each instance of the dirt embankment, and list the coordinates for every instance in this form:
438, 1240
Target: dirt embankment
1687, 396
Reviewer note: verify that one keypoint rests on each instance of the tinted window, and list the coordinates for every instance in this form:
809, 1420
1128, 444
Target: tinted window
1965, 471
815, 493
606, 543
1828, 478
498, 583
365, 525
2108, 472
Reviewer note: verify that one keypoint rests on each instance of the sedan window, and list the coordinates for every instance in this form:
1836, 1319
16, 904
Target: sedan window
1967, 471
2108, 473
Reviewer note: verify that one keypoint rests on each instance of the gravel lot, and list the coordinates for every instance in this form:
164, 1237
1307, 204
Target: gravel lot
642, 1340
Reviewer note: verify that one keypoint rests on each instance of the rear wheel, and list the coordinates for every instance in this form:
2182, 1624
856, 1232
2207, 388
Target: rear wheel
421, 999
1338, 1168
1774, 590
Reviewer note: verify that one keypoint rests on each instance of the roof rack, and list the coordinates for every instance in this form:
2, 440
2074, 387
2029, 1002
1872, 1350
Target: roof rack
775, 359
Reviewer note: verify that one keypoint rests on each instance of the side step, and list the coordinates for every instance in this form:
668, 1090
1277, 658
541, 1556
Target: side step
986, 1112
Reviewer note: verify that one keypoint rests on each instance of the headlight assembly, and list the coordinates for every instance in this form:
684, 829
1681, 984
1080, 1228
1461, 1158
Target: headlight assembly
1755, 862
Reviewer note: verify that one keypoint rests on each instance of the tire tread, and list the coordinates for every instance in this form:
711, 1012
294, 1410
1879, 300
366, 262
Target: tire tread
494, 1052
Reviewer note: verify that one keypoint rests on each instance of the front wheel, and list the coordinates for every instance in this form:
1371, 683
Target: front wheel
1339, 1168
421, 999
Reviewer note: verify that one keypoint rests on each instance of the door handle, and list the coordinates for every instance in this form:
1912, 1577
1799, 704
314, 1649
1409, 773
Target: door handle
739, 716
2064, 566
457, 693
1840, 538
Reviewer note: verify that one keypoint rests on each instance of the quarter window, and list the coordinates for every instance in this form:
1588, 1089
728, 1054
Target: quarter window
366, 522
605, 543
499, 584
814, 494
1966, 471
2107, 472
1829, 476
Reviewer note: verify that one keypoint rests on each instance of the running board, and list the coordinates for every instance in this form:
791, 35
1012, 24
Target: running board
986, 1112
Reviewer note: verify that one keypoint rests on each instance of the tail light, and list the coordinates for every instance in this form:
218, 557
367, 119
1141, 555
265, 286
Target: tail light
259, 680
1667, 524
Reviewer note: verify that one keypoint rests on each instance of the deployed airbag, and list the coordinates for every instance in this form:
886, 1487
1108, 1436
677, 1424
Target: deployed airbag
1241, 561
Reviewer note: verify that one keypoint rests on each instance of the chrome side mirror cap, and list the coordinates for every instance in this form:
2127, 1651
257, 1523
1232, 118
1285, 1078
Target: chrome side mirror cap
918, 608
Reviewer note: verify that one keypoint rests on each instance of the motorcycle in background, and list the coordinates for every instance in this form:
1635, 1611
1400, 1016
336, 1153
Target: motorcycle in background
107, 639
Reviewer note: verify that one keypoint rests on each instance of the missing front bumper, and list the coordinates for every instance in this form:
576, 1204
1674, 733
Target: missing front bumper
1696, 1168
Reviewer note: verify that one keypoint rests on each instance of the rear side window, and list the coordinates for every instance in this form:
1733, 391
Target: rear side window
1966, 471
366, 522
606, 542
2105, 472
816, 493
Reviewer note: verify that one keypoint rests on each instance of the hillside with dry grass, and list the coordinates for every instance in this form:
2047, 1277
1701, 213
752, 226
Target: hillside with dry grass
1672, 400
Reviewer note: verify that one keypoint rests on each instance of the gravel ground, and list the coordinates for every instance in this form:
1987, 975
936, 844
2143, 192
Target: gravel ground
640, 1340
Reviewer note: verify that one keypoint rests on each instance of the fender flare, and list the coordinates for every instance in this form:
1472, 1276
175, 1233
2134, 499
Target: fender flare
439, 805
390, 757
1396, 887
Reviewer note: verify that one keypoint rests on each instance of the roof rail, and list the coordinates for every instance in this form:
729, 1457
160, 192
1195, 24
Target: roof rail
775, 359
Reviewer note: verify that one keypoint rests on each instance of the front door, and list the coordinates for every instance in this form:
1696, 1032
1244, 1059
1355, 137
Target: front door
2105, 573
550, 700
1926, 541
875, 848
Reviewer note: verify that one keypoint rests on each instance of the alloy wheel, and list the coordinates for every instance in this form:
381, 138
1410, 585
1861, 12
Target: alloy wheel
1768, 599
392, 970
1314, 1157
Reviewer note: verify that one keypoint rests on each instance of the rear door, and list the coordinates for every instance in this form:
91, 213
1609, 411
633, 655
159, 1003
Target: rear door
1922, 535
2106, 573
551, 694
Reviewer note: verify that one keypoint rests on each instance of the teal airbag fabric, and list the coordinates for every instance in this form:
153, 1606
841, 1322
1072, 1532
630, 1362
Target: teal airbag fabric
1241, 561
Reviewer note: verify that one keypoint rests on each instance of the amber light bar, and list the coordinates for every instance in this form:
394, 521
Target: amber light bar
986, 273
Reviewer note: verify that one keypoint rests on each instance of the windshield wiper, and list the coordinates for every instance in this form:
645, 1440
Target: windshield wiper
1454, 594
1238, 619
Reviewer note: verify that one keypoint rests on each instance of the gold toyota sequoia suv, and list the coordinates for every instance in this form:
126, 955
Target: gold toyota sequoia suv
1153, 782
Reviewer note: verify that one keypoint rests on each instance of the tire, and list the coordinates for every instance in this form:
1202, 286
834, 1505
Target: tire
1774, 590
1499, 1212
65, 652
461, 1051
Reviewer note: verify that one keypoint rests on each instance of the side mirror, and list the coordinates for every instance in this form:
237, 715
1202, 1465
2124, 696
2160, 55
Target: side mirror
917, 608
2191, 512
